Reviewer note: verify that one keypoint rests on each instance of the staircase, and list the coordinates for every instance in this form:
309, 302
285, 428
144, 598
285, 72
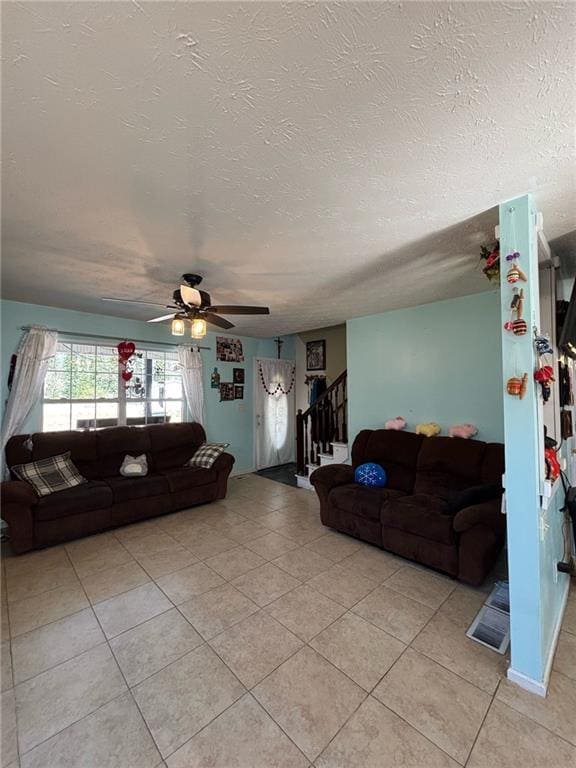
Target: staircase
322, 432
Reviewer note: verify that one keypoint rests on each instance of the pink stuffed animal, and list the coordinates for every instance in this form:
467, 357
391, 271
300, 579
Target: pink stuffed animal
398, 423
463, 430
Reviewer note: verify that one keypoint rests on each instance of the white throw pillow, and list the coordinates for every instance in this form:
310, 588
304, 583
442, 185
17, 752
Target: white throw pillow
134, 466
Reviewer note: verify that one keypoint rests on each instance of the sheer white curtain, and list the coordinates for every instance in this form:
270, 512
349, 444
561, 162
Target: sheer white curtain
275, 411
38, 345
191, 362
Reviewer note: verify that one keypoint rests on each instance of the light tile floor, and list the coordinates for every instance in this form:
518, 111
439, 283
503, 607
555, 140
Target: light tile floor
244, 634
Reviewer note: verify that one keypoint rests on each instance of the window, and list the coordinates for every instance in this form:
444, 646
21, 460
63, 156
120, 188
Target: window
84, 390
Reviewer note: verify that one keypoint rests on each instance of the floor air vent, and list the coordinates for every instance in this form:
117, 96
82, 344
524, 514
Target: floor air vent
491, 627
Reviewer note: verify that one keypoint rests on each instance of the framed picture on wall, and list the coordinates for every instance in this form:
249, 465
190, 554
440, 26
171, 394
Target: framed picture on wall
238, 375
226, 391
316, 355
238, 392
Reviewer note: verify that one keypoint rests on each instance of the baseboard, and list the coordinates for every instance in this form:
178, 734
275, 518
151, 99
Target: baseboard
523, 681
240, 472
540, 688
556, 633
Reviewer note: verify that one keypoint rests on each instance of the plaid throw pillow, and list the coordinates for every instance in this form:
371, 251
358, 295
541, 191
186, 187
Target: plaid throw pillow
207, 454
47, 476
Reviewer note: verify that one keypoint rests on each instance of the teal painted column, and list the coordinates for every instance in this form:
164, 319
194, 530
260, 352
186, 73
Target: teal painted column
524, 444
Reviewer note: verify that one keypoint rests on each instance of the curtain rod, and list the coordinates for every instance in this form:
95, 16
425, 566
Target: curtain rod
104, 336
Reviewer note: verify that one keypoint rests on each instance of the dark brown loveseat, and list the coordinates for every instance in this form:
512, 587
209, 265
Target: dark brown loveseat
108, 499
440, 507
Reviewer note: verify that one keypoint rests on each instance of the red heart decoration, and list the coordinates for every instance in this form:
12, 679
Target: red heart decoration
126, 375
126, 349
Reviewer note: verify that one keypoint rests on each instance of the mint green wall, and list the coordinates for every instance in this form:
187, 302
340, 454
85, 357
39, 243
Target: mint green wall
231, 422
436, 362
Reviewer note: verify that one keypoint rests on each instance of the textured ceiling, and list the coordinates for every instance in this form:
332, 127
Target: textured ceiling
327, 159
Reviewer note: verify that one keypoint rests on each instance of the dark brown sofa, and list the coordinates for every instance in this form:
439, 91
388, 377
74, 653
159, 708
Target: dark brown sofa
440, 507
108, 499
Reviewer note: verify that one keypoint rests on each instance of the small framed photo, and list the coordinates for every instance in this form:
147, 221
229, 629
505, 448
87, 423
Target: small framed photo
238, 375
238, 392
316, 355
226, 391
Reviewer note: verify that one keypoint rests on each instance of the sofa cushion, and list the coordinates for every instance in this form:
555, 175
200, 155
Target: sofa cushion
89, 496
174, 444
46, 476
422, 515
448, 464
180, 479
361, 500
396, 451
129, 488
113, 445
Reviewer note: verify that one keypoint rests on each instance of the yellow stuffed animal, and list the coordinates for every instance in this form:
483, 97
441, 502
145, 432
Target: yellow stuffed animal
429, 429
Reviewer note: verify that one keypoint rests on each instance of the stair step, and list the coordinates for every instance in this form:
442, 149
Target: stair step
339, 445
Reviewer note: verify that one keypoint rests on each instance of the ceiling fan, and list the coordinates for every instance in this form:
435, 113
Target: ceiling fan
191, 303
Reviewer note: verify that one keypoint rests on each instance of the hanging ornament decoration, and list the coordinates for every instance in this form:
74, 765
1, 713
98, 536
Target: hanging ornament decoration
517, 386
278, 387
542, 345
517, 324
126, 350
514, 273
544, 375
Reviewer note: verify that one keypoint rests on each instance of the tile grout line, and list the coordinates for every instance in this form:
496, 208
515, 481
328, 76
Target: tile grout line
346, 611
128, 690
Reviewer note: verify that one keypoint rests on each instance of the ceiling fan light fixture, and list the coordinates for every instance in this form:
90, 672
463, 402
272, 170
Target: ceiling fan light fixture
198, 328
178, 327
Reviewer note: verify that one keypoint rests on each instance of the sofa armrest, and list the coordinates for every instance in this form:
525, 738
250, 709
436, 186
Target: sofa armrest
332, 475
223, 466
18, 492
224, 463
488, 513
18, 499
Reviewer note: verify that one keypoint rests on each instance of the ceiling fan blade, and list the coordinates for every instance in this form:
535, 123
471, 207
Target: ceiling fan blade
238, 310
135, 301
215, 320
161, 318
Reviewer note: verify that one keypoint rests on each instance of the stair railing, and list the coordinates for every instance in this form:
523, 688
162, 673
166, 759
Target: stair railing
323, 423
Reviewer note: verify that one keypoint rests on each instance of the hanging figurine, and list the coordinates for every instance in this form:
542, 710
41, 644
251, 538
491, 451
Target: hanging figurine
518, 325
542, 345
514, 273
544, 375
517, 386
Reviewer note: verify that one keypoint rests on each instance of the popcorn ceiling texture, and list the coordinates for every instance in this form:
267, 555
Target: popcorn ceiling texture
328, 159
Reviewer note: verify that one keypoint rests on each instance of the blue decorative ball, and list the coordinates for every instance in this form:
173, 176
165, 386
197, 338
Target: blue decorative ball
371, 474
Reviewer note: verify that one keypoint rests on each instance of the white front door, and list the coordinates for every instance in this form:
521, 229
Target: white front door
274, 412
